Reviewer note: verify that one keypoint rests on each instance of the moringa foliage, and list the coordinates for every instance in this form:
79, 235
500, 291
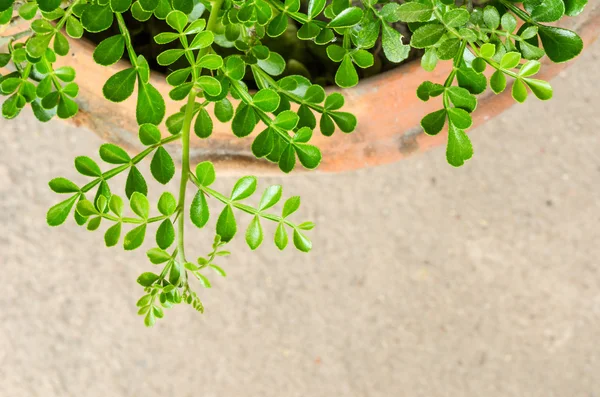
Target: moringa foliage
502, 36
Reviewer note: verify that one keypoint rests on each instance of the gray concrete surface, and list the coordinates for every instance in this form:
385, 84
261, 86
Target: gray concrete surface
425, 280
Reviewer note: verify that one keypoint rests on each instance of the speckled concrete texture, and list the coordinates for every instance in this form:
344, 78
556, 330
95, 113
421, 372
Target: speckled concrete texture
424, 281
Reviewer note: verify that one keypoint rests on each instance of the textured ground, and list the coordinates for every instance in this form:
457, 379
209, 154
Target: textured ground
425, 280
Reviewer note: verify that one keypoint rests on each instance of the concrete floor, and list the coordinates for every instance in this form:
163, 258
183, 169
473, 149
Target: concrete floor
424, 281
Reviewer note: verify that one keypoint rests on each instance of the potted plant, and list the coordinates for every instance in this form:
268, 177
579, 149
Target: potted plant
214, 52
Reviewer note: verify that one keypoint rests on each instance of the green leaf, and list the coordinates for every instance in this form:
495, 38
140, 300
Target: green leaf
415, 12
459, 147
235, 68
199, 211
287, 161
530, 32
165, 234
134, 238
456, 17
491, 17
270, 197
203, 126
149, 5
309, 155
530, 68
120, 85
475, 82
315, 7
427, 89
488, 50
96, 18
254, 233
286, 120
162, 166
58, 213
185, 6
263, 143
205, 172
309, 31
112, 235
139, 205
460, 118
429, 60
61, 44
244, 121
434, 122
113, 154
278, 25
116, 205
120, 5
38, 44
86, 166
167, 204
150, 105
166, 37
545, 10
135, 183
66, 107
498, 82
479, 65
391, 41
243, 188
202, 40
281, 237
169, 56
157, 256
266, 100
226, 226
519, 91
346, 75
45, 5
336, 53
574, 7
291, 205
347, 18
210, 61
147, 279
63, 185
224, 110
86, 208
427, 35
273, 65
462, 98
149, 134
448, 49
301, 242
177, 20
541, 89
561, 45
345, 121
334, 101
509, 22
210, 85
510, 60
139, 13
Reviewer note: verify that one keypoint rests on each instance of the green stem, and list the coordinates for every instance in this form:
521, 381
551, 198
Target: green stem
67, 14
127, 37
185, 141
517, 11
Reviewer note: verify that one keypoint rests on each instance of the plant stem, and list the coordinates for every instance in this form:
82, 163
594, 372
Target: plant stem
185, 142
185, 171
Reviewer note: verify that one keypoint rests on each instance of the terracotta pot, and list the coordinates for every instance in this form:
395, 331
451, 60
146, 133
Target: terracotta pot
387, 108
